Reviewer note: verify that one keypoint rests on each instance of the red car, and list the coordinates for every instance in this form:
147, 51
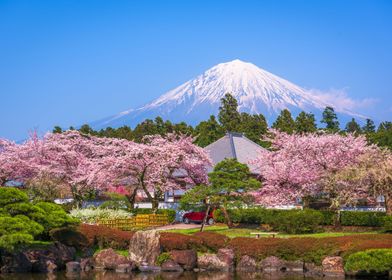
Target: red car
197, 217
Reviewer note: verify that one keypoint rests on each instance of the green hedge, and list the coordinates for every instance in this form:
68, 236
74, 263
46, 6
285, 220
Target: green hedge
387, 224
275, 216
377, 260
358, 218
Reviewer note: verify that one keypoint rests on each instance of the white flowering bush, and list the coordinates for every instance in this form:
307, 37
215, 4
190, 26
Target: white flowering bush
92, 215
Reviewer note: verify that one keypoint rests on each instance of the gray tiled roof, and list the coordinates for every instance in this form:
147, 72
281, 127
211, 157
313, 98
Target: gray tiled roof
234, 145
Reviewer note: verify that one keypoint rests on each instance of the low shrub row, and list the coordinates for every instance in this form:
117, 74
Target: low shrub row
201, 241
307, 249
86, 236
302, 221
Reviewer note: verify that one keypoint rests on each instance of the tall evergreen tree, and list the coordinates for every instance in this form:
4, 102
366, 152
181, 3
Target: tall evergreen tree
369, 126
207, 132
284, 122
86, 129
330, 119
305, 123
228, 116
57, 129
353, 127
384, 126
253, 126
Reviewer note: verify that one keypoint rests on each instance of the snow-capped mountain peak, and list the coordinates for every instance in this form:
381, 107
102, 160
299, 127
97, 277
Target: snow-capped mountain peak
256, 90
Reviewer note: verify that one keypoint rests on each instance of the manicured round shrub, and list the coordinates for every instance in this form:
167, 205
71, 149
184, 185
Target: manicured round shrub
378, 260
19, 224
10, 241
54, 217
11, 195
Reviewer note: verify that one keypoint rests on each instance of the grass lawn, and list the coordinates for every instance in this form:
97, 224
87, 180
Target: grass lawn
245, 232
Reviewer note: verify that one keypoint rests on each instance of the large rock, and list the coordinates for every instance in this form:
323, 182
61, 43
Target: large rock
171, 265
312, 270
49, 259
13, 263
333, 266
124, 268
294, 266
109, 259
73, 267
86, 264
226, 256
144, 247
247, 263
211, 262
272, 264
186, 258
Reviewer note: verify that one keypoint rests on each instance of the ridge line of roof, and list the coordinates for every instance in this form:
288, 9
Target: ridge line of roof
232, 145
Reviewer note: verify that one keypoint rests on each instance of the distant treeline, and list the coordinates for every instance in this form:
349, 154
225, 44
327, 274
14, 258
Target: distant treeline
254, 126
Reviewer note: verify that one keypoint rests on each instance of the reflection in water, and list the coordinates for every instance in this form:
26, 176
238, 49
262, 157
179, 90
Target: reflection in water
109, 275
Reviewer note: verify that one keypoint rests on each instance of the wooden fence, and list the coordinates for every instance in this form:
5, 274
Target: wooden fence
140, 221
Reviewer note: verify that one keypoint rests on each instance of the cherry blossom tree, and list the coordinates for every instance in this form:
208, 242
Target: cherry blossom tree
297, 164
161, 164
85, 164
370, 176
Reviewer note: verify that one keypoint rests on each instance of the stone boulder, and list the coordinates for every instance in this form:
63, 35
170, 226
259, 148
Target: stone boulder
272, 264
72, 267
294, 266
312, 270
247, 263
144, 246
124, 268
226, 256
86, 264
14, 262
49, 259
109, 259
186, 258
333, 266
171, 265
211, 262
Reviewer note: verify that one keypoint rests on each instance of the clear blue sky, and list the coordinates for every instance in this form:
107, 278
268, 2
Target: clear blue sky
70, 62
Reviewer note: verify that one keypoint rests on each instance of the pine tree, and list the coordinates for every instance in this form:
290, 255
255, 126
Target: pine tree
330, 119
305, 123
353, 127
207, 132
57, 129
228, 116
253, 126
284, 122
369, 126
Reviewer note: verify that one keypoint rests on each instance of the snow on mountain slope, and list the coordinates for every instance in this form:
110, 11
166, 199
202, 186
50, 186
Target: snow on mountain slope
256, 90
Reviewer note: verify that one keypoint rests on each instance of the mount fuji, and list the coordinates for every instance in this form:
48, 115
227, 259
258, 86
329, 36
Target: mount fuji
256, 90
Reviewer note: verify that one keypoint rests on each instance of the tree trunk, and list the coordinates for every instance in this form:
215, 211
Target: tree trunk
155, 204
131, 198
336, 221
388, 204
227, 217
205, 218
